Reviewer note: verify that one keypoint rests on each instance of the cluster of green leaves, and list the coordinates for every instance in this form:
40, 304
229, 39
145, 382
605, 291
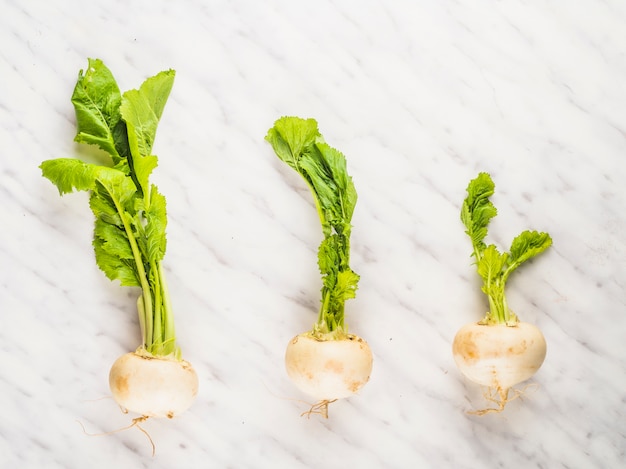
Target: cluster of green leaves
298, 143
494, 266
130, 214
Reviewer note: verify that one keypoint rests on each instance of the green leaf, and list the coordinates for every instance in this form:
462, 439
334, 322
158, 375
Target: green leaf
298, 143
115, 185
346, 196
103, 208
490, 268
289, 138
347, 284
69, 174
491, 263
477, 210
130, 216
333, 188
141, 110
114, 267
114, 239
527, 245
156, 222
314, 169
96, 101
328, 256
495, 267
112, 202
111, 190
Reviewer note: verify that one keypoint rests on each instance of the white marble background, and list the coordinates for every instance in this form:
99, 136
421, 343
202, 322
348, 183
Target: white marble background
420, 97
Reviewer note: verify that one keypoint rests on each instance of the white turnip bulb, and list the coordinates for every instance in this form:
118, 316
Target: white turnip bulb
328, 369
499, 356
153, 386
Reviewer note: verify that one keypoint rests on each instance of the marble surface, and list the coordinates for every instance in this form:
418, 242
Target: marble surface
420, 97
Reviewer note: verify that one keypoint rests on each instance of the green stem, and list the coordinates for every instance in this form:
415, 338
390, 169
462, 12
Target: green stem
321, 319
332, 310
133, 174
169, 333
145, 286
157, 333
505, 309
499, 312
477, 255
142, 318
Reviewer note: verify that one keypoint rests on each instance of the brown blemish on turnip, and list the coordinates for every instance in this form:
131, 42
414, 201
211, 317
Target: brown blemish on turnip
334, 366
465, 345
518, 349
121, 383
354, 386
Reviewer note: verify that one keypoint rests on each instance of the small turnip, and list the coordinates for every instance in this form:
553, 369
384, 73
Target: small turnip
328, 369
153, 386
499, 356
129, 235
325, 363
500, 351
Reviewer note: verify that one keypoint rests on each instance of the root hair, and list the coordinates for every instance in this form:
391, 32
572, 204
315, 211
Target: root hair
500, 397
134, 423
320, 408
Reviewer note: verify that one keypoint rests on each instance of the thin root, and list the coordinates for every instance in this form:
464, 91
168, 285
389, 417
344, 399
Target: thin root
500, 397
135, 423
320, 408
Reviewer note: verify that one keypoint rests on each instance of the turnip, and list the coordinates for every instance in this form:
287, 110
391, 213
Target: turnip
129, 235
499, 351
326, 362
